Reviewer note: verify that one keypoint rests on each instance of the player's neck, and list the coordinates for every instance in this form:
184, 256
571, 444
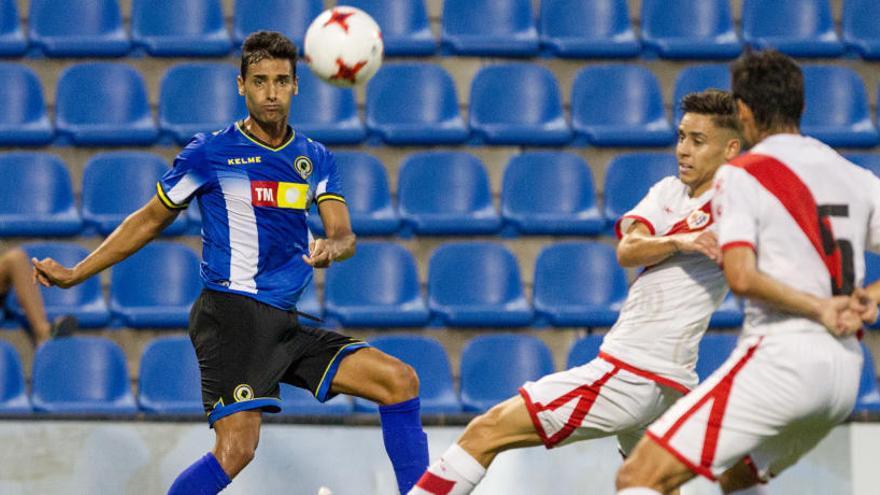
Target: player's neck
783, 129
272, 134
696, 192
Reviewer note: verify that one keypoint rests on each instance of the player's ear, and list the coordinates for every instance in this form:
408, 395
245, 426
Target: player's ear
240, 83
733, 148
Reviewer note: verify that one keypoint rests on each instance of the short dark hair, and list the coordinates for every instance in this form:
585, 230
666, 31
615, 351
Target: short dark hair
772, 85
715, 103
267, 44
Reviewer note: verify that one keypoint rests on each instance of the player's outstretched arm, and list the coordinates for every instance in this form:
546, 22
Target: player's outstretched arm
639, 248
137, 230
340, 242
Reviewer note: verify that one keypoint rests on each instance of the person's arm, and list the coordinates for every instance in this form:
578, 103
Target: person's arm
639, 248
137, 230
339, 244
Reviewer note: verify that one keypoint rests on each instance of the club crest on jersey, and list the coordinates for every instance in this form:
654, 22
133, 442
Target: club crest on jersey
303, 166
698, 219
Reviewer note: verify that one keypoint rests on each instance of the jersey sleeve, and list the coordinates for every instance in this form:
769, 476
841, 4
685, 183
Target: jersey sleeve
650, 210
874, 219
735, 207
189, 173
329, 186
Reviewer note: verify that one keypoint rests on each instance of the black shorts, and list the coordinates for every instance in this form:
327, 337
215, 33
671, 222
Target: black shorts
245, 348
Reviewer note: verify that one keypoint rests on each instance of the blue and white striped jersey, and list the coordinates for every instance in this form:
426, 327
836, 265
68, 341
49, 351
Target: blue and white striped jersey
254, 201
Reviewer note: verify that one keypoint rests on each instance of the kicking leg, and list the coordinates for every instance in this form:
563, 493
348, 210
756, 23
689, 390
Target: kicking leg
16, 271
742, 479
651, 470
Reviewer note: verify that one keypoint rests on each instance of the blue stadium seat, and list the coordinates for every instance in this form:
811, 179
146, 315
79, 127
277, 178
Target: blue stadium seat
47, 209
325, 113
404, 23
487, 380
83, 28
800, 28
870, 161
869, 393
476, 284
509, 32
300, 402
729, 314
289, 17
696, 78
628, 178
379, 287
156, 286
689, 29
414, 103
84, 301
517, 104
198, 97
427, 356
13, 398
24, 120
169, 381
116, 184
837, 110
629, 113
81, 375
714, 349
578, 284
446, 192
584, 350
12, 40
569, 208
861, 31
103, 104
587, 29
179, 28
872, 273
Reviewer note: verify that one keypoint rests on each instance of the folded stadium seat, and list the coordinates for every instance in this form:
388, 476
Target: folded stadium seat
578, 284
325, 113
729, 314
414, 103
296, 401
83, 28
629, 176
714, 349
869, 394
689, 29
836, 107
587, 29
559, 200
476, 284
179, 28
289, 17
800, 28
445, 193
12, 40
861, 31
81, 375
427, 356
84, 301
156, 286
24, 120
870, 161
584, 350
169, 381
404, 23
13, 398
379, 288
517, 104
198, 97
629, 113
501, 28
47, 207
116, 184
696, 78
103, 104
493, 367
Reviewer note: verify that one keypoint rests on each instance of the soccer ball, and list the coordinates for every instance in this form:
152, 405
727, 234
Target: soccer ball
343, 46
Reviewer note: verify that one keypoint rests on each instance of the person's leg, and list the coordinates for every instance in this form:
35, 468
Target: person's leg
742, 479
16, 272
651, 470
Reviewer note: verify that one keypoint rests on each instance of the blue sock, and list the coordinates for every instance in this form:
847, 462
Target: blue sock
203, 477
405, 441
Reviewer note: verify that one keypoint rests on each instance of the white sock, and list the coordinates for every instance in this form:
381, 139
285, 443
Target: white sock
455, 473
758, 489
638, 491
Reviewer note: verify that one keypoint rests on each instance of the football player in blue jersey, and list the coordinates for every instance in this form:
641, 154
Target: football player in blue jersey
255, 181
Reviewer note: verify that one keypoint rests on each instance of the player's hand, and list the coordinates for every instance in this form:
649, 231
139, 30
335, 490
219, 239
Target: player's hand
319, 254
48, 272
861, 303
704, 242
837, 316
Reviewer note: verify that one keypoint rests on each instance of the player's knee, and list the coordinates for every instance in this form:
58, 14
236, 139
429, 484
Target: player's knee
238, 451
484, 431
626, 475
13, 257
401, 383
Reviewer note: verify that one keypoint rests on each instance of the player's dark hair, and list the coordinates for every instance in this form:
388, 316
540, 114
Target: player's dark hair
772, 85
715, 103
267, 44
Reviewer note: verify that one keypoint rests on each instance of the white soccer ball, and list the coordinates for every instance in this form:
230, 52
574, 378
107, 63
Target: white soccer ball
343, 46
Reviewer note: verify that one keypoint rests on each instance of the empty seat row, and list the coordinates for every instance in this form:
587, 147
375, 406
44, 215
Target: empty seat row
88, 375
406, 104
566, 28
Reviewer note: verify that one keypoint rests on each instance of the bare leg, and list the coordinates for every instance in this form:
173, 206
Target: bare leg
651, 466
237, 437
374, 375
741, 478
506, 426
15, 271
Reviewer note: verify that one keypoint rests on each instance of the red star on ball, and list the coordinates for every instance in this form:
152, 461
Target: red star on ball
338, 17
346, 72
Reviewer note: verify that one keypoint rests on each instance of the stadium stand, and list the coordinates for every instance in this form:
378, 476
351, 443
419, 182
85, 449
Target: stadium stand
179, 28
12, 40
696, 78
325, 113
49, 209
24, 121
628, 178
689, 29
866, 160
837, 109
405, 27
860, 29
587, 29
584, 350
13, 395
729, 314
714, 350
800, 28
869, 394
169, 381
512, 32
84, 28
290, 17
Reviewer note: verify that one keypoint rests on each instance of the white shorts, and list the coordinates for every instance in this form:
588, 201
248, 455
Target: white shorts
598, 399
773, 400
